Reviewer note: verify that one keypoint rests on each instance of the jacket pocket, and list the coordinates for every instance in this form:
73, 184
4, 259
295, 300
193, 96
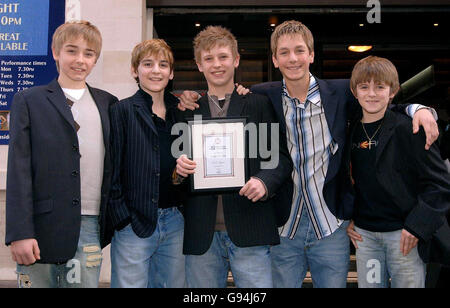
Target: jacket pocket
43, 207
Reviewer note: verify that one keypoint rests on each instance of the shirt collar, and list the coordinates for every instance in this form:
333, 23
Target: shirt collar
311, 97
170, 101
215, 98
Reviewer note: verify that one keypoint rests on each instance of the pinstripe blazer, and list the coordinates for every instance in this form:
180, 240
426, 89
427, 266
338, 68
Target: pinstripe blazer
136, 163
248, 224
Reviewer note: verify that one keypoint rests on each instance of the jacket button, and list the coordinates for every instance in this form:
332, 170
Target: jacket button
74, 173
75, 201
154, 200
74, 147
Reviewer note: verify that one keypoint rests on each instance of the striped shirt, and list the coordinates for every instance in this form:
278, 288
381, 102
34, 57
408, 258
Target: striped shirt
310, 145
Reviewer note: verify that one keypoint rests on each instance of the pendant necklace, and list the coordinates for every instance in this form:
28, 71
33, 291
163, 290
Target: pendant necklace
373, 136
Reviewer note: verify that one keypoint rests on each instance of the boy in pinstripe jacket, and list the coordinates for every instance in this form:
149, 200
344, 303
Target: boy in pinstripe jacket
146, 249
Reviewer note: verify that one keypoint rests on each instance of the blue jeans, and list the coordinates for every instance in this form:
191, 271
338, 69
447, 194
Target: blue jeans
327, 259
250, 265
153, 262
379, 258
83, 271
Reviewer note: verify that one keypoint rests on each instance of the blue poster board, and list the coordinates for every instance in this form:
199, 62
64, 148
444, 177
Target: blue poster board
26, 29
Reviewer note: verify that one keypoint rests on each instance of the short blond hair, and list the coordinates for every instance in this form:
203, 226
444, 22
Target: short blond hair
376, 68
153, 47
291, 27
75, 29
214, 36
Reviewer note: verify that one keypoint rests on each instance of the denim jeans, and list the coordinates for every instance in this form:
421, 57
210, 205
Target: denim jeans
83, 271
153, 262
379, 258
250, 265
327, 259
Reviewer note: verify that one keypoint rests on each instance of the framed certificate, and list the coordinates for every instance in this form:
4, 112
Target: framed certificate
218, 146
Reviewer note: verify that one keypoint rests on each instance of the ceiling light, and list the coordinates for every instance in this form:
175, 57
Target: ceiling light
361, 25
197, 25
357, 48
436, 24
273, 20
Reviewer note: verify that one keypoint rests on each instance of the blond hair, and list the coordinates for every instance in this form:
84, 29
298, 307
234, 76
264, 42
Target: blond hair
376, 68
214, 36
75, 29
153, 47
291, 27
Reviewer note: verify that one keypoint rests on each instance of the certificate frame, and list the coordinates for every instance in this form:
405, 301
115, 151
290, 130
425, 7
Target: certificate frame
219, 147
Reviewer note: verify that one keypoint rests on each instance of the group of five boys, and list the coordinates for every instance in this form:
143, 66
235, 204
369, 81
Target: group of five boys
85, 170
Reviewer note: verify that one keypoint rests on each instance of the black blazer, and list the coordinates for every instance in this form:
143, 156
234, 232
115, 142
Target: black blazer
247, 223
416, 180
136, 156
43, 185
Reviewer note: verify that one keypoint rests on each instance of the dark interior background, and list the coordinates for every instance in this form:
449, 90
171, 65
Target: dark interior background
407, 35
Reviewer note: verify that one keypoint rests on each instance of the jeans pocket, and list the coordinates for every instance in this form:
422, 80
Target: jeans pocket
179, 214
125, 229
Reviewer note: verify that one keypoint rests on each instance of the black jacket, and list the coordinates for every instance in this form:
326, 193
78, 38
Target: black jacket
43, 197
247, 223
416, 180
136, 163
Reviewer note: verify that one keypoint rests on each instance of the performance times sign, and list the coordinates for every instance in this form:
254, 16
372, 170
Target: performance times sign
26, 27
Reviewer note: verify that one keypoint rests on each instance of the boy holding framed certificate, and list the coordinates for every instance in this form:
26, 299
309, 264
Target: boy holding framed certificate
233, 229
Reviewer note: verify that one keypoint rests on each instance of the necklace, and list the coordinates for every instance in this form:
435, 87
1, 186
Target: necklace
373, 136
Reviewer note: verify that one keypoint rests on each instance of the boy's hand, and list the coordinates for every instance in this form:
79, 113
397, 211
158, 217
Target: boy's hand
241, 90
424, 118
353, 235
185, 166
188, 100
407, 242
254, 190
25, 252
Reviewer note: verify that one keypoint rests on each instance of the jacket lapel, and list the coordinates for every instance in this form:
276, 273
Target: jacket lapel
171, 103
204, 107
237, 103
328, 102
58, 99
103, 110
386, 132
143, 110
275, 94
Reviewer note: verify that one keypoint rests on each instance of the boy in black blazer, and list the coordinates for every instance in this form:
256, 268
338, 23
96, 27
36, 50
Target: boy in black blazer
59, 169
402, 192
231, 230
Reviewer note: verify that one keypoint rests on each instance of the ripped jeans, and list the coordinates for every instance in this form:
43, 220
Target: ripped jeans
83, 271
